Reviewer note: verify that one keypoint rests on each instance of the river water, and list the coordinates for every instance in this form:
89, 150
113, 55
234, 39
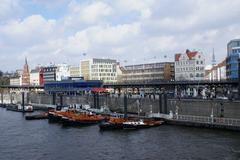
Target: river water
39, 139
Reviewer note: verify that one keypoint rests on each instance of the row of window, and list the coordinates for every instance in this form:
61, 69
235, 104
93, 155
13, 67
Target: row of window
103, 74
188, 62
190, 69
104, 70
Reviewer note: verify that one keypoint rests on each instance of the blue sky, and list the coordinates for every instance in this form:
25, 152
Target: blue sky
131, 31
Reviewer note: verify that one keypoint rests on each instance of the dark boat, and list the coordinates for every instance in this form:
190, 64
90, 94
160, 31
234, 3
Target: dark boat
37, 116
18, 108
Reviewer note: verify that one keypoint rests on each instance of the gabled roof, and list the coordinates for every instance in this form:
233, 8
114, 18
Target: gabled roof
191, 54
188, 53
177, 56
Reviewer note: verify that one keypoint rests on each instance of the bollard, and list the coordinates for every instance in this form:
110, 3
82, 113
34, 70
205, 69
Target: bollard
125, 106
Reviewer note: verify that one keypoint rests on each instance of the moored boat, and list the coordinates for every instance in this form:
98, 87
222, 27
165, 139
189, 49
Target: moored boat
121, 123
82, 119
19, 108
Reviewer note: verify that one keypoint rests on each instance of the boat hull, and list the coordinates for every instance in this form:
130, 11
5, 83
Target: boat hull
71, 122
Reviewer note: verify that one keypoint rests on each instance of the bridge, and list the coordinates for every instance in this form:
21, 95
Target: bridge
143, 84
157, 84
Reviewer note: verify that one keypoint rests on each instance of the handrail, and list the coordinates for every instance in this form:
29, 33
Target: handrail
211, 120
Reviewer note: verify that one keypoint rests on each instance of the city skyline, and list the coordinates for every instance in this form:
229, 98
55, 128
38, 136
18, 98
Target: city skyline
136, 31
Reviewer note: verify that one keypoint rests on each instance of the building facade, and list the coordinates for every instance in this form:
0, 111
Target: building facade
16, 81
25, 75
74, 71
49, 73
62, 72
189, 66
36, 76
216, 72
233, 54
148, 72
99, 69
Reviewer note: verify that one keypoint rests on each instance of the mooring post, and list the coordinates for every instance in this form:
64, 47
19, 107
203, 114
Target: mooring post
94, 100
238, 78
98, 101
125, 105
2, 96
53, 98
23, 103
160, 102
165, 102
61, 100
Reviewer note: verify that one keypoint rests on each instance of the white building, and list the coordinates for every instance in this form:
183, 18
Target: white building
74, 71
62, 72
16, 81
189, 66
99, 69
217, 72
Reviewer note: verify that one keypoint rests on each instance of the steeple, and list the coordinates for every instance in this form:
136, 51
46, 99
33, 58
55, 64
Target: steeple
25, 60
213, 58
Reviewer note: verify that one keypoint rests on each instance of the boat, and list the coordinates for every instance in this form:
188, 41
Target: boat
56, 116
81, 119
37, 116
124, 123
19, 108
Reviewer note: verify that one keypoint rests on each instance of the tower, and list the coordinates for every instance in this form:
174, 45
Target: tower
25, 74
213, 59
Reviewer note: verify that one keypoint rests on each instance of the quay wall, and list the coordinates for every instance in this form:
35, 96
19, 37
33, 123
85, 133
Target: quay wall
197, 107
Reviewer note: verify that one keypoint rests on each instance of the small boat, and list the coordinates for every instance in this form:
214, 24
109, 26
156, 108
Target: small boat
19, 108
37, 116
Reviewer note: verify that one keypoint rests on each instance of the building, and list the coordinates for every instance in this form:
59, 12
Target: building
25, 74
99, 69
163, 71
74, 71
189, 66
233, 54
16, 81
216, 72
62, 72
36, 76
49, 73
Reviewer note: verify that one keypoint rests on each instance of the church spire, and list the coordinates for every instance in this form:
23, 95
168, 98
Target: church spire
25, 60
213, 58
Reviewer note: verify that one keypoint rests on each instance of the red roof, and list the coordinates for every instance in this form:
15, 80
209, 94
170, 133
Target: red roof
177, 56
191, 54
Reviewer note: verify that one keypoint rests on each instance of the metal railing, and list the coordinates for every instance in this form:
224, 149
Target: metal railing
210, 120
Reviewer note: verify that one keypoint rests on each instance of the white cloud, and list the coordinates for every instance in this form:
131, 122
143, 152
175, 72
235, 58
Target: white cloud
7, 7
88, 13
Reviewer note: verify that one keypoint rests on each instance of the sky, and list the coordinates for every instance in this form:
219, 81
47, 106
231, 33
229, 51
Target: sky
130, 31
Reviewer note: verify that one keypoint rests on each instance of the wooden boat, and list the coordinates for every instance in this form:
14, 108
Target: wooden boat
121, 123
56, 116
81, 119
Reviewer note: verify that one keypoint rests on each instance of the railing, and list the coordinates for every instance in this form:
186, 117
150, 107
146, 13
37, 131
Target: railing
210, 120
